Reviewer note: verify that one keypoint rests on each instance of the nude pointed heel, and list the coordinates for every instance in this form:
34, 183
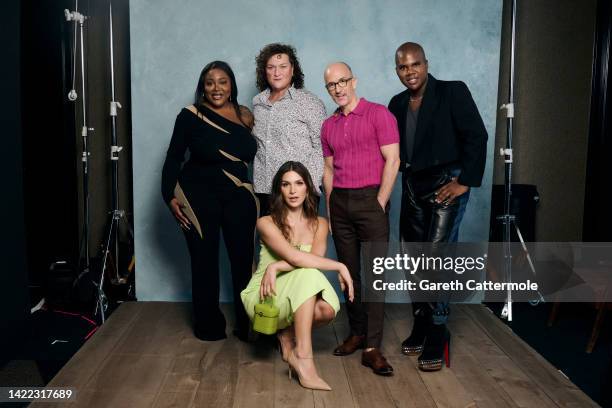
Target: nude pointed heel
290, 371
312, 384
284, 355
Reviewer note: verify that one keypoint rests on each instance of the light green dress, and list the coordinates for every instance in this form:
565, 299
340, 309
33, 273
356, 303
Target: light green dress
292, 288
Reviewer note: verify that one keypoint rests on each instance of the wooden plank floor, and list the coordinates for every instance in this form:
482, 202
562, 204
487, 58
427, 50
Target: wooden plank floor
146, 356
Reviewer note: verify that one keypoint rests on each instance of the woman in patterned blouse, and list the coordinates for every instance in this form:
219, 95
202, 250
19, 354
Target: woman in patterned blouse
288, 120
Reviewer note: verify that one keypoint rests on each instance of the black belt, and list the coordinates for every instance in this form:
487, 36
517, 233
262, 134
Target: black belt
409, 170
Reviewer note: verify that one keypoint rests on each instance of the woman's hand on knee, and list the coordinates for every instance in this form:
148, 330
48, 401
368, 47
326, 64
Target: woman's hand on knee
268, 283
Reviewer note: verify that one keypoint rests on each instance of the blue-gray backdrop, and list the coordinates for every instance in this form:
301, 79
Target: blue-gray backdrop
172, 41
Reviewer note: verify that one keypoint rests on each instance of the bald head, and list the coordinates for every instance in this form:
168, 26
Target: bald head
409, 48
337, 68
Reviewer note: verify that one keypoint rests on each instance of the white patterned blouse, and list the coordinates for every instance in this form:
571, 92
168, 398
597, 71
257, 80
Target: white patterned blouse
288, 129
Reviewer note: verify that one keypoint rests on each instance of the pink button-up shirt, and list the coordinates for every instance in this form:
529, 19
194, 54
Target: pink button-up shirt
354, 141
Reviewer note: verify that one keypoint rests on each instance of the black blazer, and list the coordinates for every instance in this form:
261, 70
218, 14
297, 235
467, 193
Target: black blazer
449, 129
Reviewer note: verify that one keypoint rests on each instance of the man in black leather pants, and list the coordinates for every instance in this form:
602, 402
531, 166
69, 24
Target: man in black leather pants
443, 152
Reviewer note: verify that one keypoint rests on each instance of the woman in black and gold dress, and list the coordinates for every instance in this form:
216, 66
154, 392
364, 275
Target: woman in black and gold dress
212, 192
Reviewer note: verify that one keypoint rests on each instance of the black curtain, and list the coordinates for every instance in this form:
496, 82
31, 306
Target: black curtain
14, 302
51, 157
597, 220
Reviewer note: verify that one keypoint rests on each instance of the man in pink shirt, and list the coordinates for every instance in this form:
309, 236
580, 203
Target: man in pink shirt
361, 149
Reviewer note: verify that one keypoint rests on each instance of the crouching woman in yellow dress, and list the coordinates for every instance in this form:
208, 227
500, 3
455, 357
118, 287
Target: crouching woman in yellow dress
294, 241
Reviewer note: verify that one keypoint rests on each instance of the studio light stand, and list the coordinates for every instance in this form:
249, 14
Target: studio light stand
111, 246
508, 220
79, 20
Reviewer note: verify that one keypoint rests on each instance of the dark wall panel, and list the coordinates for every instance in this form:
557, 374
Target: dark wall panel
13, 275
50, 161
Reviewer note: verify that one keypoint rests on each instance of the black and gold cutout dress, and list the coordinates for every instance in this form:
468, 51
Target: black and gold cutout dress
215, 189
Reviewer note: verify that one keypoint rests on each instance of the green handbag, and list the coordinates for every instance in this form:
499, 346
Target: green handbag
266, 317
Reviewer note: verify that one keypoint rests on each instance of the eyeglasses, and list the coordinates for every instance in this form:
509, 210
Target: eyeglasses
331, 86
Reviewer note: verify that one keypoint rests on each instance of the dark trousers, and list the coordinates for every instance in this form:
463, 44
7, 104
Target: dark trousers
234, 212
423, 220
360, 229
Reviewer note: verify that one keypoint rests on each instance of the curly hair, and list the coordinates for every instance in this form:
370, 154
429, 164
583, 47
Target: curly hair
273, 49
278, 207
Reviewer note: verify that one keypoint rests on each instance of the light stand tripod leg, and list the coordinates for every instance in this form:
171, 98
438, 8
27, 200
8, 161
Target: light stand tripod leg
102, 300
529, 261
506, 312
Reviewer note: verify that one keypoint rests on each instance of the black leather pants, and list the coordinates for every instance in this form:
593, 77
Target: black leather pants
424, 220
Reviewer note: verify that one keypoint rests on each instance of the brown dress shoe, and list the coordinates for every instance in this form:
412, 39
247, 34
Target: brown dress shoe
377, 362
350, 345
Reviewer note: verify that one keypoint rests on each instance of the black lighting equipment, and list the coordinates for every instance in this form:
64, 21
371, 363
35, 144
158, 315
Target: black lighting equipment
78, 47
507, 219
111, 249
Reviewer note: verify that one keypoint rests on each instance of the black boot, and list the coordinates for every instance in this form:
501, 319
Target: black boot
436, 349
413, 345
